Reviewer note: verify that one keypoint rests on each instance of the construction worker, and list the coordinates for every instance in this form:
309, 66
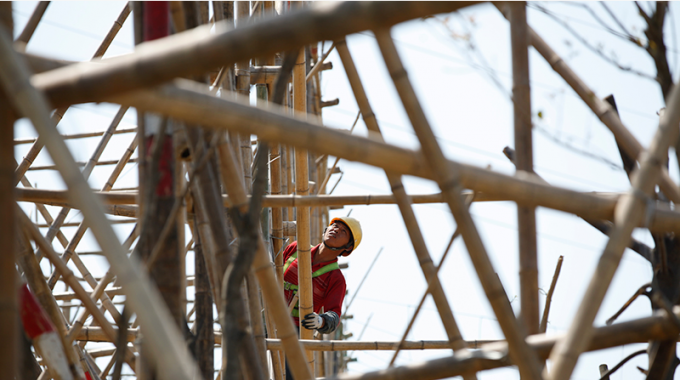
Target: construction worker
340, 238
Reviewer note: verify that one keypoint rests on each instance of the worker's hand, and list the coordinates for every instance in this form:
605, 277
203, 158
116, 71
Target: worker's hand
312, 321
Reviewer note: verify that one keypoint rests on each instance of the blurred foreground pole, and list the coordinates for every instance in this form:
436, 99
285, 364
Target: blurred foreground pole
8, 292
526, 216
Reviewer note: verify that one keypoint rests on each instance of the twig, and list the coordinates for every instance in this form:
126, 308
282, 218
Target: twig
548, 299
363, 279
642, 290
629, 35
337, 159
621, 363
591, 47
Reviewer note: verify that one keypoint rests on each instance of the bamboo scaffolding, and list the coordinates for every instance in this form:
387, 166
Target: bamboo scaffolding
60, 111
629, 211
526, 216
164, 338
69, 251
33, 22
45, 213
451, 187
176, 54
88, 300
429, 271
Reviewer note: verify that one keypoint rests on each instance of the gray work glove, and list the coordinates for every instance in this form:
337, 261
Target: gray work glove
312, 321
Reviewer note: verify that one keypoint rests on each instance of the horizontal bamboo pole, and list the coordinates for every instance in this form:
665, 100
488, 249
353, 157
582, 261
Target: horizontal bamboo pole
494, 355
190, 102
79, 163
201, 49
78, 135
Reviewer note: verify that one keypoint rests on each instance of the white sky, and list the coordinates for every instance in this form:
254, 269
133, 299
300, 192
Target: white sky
472, 117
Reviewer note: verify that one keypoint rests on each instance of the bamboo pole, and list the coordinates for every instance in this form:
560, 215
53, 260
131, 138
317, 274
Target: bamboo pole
303, 213
526, 216
164, 338
44, 212
160, 61
78, 135
9, 307
429, 271
629, 211
451, 188
33, 22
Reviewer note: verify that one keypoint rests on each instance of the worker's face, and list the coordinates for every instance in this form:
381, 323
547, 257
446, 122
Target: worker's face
337, 235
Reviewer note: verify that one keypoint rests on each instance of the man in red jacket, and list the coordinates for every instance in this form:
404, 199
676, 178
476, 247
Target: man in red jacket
341, 237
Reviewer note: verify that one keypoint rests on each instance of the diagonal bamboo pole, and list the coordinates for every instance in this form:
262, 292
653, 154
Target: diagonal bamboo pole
165, 341
449, 182
543, 327
33, 22
526, 216
629, 211
159, 61
429, 271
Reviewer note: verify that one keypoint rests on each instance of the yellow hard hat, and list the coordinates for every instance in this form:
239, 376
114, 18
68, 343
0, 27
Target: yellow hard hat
353, 225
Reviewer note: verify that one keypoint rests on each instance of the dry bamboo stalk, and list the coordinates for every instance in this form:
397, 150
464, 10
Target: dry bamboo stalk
177, 54
266, 276
602, 110
79, 135
629, 211
429, 271
451, 189
9, 309
164, 338
59, 112
277, 212
287, 181
45, 213
79, 163
548, 299
82, 228
33, 22
526, 216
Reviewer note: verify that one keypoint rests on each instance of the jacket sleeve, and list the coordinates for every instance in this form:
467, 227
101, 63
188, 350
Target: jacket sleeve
332, 304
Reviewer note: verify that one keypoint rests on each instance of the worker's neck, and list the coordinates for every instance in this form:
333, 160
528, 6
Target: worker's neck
324, 254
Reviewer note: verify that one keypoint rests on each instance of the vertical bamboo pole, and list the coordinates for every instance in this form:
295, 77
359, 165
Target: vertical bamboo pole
519, 351
33, 22
526, 216
404, 203
629, 211
203, 302
302, 213
9, 310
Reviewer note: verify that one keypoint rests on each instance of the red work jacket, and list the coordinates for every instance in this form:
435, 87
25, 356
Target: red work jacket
329, 288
